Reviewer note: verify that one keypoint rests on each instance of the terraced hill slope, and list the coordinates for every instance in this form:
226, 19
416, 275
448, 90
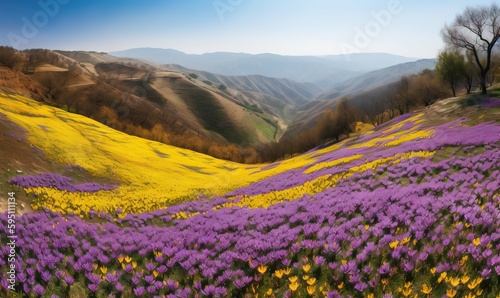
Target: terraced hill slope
410, 208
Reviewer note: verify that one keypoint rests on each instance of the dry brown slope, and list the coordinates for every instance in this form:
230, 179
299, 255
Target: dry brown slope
206, 107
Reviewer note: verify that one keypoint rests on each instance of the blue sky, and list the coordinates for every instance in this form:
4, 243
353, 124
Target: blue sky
288, 27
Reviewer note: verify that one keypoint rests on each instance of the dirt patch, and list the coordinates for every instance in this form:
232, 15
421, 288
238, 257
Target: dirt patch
19, 83
49, 67
17, 157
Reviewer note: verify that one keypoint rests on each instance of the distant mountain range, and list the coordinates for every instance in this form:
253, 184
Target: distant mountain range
376, 78
324, 71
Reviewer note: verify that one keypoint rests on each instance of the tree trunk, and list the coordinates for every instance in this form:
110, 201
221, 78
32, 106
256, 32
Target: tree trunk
482, 80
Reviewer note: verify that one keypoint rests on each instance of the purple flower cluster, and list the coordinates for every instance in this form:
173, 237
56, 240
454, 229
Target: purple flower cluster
58, 181
453, 134
490, 102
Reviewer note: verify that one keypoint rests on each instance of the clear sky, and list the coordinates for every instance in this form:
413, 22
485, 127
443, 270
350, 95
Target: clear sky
289, 27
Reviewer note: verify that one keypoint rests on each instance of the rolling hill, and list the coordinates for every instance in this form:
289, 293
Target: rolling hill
163, 104
271, 99
277, 96
379, 213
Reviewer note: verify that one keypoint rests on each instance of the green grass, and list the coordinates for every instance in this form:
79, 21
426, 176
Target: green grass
269, 131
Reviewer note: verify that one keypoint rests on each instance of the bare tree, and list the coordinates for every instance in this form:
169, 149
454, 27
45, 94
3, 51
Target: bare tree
399, 96
470, 73
476, 30
426, 90
346, 117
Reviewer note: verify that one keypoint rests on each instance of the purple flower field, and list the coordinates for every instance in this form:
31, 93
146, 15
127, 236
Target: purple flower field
419, 227
58, 181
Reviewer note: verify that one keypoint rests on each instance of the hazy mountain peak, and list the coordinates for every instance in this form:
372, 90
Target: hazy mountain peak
324, 69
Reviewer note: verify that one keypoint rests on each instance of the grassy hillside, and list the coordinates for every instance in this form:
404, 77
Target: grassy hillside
410, 208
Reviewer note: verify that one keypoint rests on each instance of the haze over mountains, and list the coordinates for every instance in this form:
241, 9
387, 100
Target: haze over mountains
321, 70
376, 78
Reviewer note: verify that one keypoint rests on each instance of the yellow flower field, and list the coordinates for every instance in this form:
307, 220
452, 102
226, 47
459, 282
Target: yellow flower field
153, 175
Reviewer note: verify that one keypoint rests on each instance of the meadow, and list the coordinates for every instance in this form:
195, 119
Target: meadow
409, 209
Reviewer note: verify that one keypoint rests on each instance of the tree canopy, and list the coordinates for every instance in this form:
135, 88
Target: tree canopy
476, 30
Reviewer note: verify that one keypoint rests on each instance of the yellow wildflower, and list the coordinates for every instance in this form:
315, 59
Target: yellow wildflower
406, 292
287, 271
279, 273
305, 277
293, 286
451, 293
120, 259
158, 253
104, 270
293, 279
426, 289
394, 244
269, 292
95, 266
407, 285
464, 279
441, 277
433, 270
463, 260
311, 281
128, 259
155, 273
262, 269
474, 283
341, 285
454, 281
311, 290
470, 295
134, 264
476, 241
306, 267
